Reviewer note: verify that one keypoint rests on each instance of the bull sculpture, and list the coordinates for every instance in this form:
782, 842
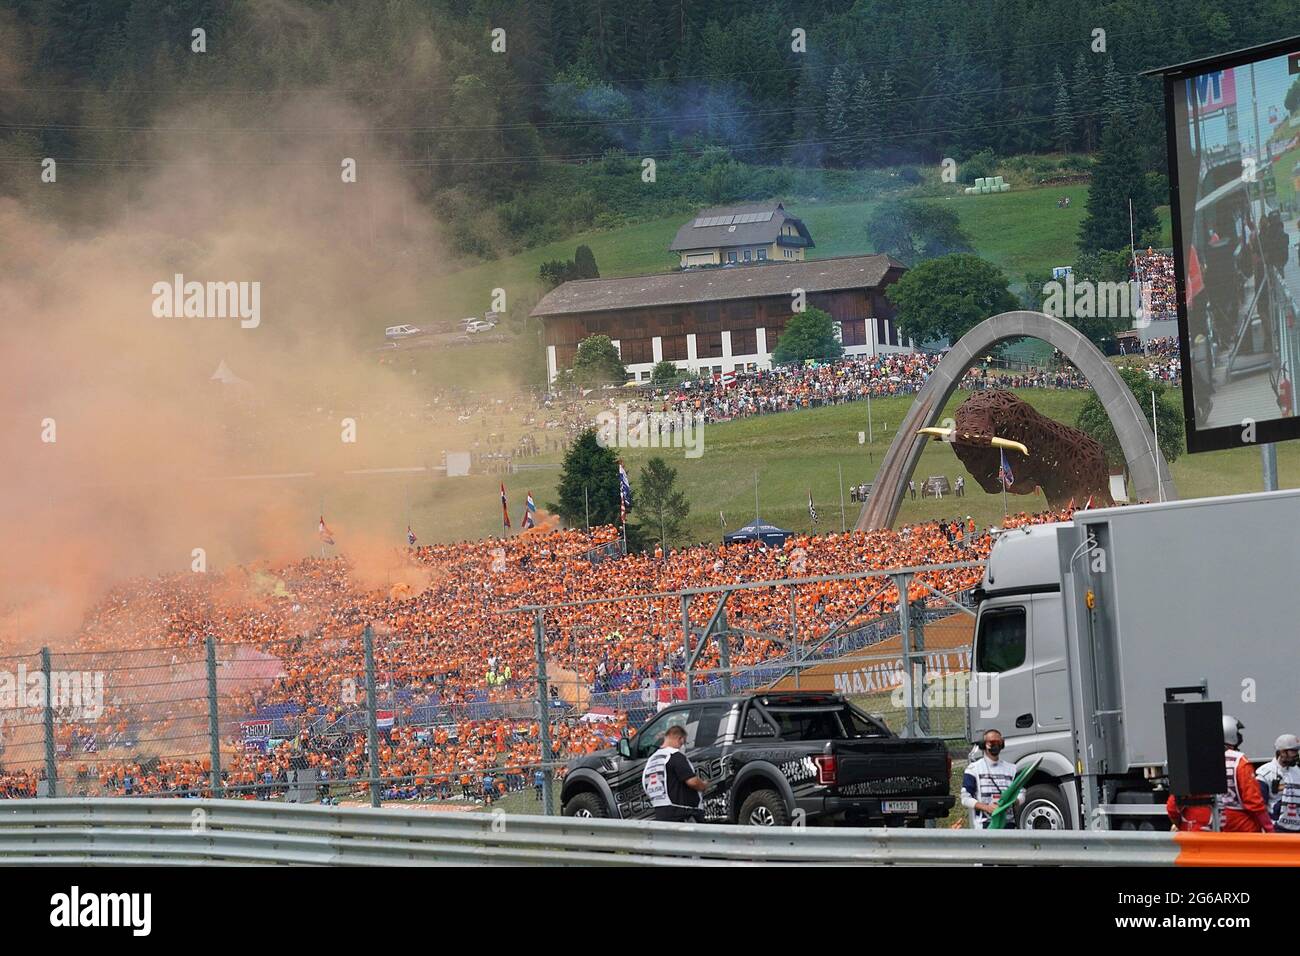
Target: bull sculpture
1040, 452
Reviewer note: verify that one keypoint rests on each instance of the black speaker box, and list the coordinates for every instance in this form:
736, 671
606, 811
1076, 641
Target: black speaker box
1194, 744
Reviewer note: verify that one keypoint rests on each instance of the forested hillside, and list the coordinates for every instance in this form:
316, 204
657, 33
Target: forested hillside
492, 140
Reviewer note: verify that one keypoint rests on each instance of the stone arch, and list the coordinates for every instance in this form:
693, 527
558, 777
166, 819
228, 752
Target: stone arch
1131, 427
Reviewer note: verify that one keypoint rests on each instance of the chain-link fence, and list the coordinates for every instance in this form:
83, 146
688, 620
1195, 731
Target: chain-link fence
376, 717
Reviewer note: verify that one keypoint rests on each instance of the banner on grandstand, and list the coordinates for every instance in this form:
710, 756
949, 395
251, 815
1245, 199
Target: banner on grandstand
257, 734
872, 676
669, 695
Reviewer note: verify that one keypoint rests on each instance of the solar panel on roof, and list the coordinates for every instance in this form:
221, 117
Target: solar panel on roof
714, 221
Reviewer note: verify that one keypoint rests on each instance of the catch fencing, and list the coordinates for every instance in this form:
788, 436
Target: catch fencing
315, 719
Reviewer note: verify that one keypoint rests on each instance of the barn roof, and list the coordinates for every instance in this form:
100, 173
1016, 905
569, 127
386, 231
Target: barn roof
719, 283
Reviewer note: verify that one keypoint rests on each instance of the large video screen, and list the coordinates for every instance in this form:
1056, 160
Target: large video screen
1235, 172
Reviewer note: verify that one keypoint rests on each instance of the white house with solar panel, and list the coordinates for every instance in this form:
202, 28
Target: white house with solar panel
736, 235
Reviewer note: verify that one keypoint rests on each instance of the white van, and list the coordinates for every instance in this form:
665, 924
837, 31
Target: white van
400, 331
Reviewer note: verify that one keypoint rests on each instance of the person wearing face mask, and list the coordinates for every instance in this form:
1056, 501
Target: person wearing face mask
1280, 781
985, 779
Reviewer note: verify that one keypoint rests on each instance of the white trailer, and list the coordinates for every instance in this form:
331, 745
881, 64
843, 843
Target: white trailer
1084, 624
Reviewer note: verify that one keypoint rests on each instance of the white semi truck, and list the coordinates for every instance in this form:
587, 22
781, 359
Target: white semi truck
1084, 625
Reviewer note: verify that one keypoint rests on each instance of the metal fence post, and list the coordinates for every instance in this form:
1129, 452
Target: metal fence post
905, 635
724, 650
686, 643
372, 725
794, 633
51, 767
544, 714
214, 728
918, 648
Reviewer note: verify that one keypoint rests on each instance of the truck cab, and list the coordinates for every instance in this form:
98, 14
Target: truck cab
1019, 667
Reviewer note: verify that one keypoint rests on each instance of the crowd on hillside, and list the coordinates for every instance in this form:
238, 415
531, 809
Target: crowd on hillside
291, 649
1156, 271
789, 388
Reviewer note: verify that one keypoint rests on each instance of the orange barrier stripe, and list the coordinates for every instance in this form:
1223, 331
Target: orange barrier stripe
1237, 849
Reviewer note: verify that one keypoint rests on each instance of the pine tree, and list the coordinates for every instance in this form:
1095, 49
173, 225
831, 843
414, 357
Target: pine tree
1083, 96
1114, 92
588, 481
584, 264
1062, 122
863, 119
836, 119
662, 508
888, 118
1117, 178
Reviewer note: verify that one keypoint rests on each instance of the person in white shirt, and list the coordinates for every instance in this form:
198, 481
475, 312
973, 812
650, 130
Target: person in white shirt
1280, 781
985, 779
671, 781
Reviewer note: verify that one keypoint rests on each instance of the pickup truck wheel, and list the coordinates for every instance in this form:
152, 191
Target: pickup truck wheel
764, 808
1044, 809
585, 805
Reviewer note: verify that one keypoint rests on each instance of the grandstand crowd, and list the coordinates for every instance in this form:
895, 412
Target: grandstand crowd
1155, 270
455, 671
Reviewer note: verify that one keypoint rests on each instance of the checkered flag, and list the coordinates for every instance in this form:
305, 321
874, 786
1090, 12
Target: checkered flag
812, 509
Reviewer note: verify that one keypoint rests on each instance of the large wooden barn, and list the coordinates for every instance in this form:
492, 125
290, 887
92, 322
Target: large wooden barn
720, 319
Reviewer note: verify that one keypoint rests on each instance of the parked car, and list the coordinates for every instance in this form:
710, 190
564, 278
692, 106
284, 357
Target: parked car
479, 325
400, 331
771, 758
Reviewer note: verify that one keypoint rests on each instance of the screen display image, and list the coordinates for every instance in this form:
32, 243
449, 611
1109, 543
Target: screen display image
1235, 130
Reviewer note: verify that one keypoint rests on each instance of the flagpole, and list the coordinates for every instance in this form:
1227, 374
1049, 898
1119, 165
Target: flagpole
587, 504
322, 518
1002, 479
756, 519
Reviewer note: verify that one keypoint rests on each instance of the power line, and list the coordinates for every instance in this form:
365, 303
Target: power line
569, 158
510, 127
541, 84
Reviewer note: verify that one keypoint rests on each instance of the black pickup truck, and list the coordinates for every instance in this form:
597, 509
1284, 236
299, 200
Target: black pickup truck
775, 759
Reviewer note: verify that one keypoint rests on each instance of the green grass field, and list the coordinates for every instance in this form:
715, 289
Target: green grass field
790, 453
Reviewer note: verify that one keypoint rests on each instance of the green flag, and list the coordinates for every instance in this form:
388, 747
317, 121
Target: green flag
998, 820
